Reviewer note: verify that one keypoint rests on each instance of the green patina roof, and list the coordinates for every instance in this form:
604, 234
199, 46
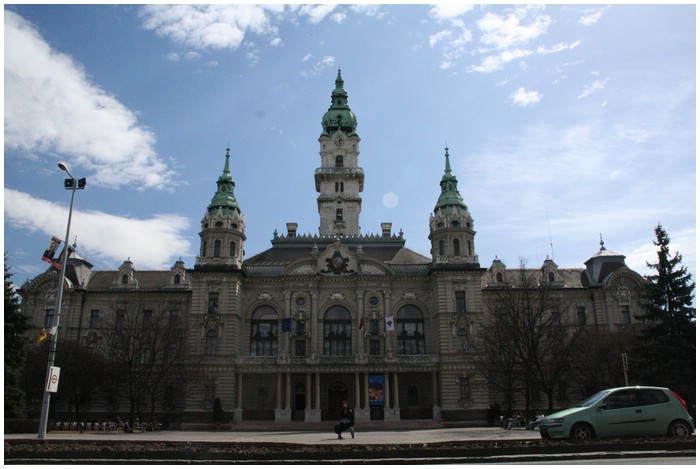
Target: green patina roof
339, 116
449, 195
224, 197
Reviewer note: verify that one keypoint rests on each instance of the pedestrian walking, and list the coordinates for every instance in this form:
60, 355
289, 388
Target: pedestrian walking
347, 421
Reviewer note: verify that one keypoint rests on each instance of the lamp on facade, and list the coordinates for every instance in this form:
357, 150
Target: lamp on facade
71, 184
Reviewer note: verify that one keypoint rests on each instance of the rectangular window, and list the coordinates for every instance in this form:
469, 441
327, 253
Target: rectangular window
121, 318
339, 214
94, 319
213, 307
410, 337
147, 318
374, 347
465, 390
49, 318
300, 348
625, 311
461, 301
581, 315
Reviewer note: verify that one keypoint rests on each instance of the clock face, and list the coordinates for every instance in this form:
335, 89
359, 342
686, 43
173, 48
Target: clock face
339, 141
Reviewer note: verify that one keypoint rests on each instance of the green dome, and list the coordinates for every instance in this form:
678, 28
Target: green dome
339, 116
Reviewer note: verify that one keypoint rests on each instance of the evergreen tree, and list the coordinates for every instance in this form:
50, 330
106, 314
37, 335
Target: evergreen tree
16, 326
665, 355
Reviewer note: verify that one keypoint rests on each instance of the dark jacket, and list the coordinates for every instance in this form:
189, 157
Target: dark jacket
348, 413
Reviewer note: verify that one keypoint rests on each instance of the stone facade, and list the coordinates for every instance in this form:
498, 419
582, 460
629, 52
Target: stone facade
287, 334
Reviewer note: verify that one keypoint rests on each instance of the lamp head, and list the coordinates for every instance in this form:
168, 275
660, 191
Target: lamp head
62, 166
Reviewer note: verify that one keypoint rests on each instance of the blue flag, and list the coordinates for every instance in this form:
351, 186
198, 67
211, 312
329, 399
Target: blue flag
286, 324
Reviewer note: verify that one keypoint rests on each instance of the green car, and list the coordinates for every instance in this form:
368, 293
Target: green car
620, 412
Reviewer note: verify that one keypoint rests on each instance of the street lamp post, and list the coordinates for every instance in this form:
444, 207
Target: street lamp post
71, 184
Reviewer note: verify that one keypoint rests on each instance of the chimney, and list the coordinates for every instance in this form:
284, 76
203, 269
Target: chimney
386, 230
292, 230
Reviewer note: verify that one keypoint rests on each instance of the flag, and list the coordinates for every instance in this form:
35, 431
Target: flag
389, 322
42, 335
362, 324
286, 324
51, 250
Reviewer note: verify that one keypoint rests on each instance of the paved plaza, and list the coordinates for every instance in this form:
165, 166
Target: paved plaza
301, 436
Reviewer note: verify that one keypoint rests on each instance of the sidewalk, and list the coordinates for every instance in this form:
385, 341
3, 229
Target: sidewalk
312, 437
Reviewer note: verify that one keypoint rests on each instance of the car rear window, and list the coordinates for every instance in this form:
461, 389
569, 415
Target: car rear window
652, 396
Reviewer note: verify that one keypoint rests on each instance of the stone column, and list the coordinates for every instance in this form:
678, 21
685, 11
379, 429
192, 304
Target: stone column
391, 414
313, 414
437, 411
238, 411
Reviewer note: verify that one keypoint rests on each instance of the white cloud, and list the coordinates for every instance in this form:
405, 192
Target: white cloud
438, 37
317, 13
51, 106
201, 26
321, 65
591, 17
492, 63
562, 46
150, 243
596, 85
504, 31
523, 97
451, 10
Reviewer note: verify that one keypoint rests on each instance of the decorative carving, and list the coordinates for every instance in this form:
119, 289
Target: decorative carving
336, 296
337, 264
409, 295
265, 296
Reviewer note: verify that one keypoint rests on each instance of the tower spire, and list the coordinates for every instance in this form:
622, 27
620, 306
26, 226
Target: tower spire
449, 194
224, 198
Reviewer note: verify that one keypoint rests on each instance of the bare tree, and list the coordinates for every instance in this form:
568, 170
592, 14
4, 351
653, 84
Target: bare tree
145, 341
527, 328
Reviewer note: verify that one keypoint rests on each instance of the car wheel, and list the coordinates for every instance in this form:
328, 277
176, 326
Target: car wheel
679, 430
582, 431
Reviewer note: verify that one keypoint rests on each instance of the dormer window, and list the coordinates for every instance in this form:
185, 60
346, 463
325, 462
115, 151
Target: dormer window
550, 276
176, 279
125, 279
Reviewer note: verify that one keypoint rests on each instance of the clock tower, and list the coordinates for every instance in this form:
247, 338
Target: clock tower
339, 180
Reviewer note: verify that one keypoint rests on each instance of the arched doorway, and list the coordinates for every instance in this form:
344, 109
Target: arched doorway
337, 393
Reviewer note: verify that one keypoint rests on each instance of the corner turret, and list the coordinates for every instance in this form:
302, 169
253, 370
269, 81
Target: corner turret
223, 227
451, 225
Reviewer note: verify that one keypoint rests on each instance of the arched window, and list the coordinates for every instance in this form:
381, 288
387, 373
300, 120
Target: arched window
441, 247
455, 247
125, 279
410, 331
499, 277
217, 248
550, 275
211, 345
263, 332
339, 161
232, 249
469, 248
337, 332
176, 279
462, 340
204, 248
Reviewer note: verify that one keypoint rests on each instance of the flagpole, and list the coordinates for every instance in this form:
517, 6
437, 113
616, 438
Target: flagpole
59, 297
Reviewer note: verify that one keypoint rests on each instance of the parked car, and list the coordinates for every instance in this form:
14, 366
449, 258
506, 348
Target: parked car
628, 411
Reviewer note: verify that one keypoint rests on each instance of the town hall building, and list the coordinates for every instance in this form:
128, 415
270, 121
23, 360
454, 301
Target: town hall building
288, 333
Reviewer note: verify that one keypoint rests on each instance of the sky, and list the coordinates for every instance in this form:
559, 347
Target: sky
566, 124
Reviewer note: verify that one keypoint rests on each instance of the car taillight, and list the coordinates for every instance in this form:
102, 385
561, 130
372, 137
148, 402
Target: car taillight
679, 398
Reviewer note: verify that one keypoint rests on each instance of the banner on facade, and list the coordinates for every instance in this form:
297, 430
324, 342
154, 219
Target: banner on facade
52, 384
50, 251
376, 390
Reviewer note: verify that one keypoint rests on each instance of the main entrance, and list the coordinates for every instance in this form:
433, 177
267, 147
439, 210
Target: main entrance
337, 393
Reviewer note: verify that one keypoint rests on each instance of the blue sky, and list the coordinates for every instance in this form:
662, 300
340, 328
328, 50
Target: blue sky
563, 122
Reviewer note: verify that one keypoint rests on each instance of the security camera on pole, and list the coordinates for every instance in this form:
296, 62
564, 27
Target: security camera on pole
52, 372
